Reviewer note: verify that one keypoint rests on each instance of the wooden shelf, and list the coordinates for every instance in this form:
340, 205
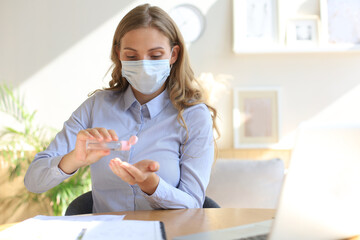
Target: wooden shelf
294, 27
285, 49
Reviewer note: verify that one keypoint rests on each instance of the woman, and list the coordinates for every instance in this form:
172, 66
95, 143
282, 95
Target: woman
153, 95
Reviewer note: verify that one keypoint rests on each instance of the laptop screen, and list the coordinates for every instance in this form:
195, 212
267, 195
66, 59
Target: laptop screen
321, 194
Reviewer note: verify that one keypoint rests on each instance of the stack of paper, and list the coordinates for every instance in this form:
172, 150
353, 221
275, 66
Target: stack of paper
83, 227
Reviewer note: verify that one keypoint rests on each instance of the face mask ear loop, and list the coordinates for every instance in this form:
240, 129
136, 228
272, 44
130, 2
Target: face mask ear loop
170, 58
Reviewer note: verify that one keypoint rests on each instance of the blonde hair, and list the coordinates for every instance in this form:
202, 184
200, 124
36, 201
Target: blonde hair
184, 90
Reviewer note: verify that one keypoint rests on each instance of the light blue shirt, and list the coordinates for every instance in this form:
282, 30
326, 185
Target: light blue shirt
185, 165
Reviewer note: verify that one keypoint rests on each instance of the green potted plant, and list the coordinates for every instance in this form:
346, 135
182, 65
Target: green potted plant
19, 146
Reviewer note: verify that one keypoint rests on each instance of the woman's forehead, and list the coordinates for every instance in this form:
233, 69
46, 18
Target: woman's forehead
144, 38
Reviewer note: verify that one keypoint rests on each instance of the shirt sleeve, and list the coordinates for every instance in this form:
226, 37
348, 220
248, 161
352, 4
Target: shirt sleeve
197, 156
43, 172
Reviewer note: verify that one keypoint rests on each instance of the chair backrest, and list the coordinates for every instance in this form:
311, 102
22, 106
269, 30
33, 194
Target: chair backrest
238, 183
210, 203
83, 204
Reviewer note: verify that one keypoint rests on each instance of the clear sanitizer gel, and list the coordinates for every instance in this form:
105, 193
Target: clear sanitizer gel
113, 145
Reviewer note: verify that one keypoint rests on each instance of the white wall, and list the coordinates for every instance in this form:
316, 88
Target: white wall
58, 52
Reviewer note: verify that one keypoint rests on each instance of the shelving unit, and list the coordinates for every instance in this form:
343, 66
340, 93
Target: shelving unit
282, 26
285, 49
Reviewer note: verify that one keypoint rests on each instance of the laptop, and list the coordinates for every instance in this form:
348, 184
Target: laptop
320, 198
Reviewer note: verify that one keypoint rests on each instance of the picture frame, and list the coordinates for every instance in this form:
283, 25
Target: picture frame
340, 23
256, 117
303, 31
255, 24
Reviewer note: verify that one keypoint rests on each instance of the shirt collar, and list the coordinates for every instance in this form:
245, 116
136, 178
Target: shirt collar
155, 106
129, 98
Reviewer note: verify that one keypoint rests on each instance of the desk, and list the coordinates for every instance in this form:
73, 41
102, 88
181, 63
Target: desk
188, 221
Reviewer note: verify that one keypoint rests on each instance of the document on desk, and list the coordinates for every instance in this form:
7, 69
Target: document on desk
84, 228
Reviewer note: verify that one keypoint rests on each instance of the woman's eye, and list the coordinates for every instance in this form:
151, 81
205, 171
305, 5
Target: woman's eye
155, 56
130, 57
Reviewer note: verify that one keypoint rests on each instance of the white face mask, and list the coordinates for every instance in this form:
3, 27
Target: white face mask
146, 76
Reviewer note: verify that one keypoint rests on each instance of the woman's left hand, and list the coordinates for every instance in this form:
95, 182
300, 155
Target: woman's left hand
141, 173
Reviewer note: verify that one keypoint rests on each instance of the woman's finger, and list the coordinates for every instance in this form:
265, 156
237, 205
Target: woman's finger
116, 167
105, 134
95, 133
84, 134
113, 135
135, 172
154, 166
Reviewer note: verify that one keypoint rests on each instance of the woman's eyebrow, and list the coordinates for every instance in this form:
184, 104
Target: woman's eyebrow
155, 48
151, 49
129, 48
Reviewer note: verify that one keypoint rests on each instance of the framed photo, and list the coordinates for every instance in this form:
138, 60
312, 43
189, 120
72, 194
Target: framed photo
341, 22
256, 117
303, 31
255, 23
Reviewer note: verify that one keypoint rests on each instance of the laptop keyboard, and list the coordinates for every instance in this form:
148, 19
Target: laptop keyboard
257, 237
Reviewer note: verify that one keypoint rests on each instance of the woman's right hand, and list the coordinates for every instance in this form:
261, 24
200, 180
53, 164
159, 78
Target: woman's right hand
80, 156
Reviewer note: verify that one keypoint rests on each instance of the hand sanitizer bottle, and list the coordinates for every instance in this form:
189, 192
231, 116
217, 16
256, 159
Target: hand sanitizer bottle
113, 145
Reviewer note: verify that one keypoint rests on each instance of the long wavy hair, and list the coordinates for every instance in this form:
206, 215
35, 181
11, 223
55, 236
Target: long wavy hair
183, 88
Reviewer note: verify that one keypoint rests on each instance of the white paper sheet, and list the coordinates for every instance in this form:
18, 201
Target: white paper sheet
70, 227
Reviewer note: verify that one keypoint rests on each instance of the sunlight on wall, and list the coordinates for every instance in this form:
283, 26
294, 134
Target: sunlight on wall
215, 87
203, 5
344, 109
64, 83
317, 81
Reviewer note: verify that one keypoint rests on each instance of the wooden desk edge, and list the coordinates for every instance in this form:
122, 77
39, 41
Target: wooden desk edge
157, 215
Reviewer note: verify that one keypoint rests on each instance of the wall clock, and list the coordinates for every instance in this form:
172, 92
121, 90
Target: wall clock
190, 21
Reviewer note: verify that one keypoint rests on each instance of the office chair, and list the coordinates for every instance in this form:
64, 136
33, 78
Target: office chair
84, 204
